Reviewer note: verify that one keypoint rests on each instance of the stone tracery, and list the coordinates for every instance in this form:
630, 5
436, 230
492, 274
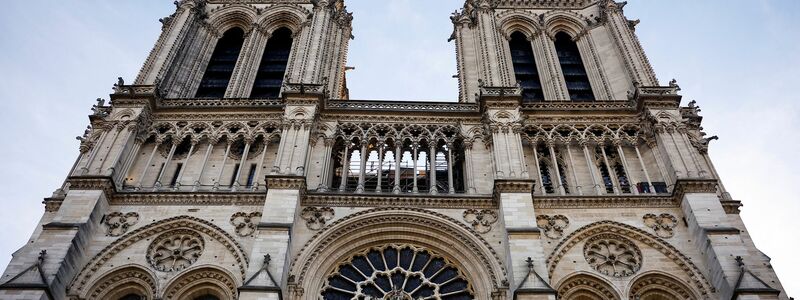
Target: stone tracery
176, 250
612, 255
397, 272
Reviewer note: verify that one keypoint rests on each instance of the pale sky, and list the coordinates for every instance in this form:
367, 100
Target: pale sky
738, 58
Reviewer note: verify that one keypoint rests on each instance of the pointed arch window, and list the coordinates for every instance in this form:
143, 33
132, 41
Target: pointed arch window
272, 69
569, 56
525, 70
220, 67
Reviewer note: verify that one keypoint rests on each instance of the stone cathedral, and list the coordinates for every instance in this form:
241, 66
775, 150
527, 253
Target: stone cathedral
235, 166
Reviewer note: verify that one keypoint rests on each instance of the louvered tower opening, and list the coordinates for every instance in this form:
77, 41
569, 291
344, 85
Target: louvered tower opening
575, 76
525, 68
220, 67
273, 65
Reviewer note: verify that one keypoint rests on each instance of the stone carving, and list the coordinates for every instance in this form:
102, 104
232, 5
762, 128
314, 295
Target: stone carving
245, 223
175, 250
612, 255
317, 217
418, 272
553, 226
662, 224
481, 220
118, 223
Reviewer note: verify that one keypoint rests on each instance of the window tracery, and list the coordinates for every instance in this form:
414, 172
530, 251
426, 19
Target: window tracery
220, 68
575, 76
271, 70
525, 69
397, 272
612, 255
175, 250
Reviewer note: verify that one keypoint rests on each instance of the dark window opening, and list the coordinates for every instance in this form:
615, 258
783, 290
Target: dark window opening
131, 297
175, 175
547, 181
272, 69
564, 182
624, 184
233, 176
525, 69
251, 175
220, 67
573, 69
609, 184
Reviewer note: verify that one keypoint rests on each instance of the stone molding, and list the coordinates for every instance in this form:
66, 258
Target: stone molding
81, 280
391, 200
609, 201
101, 183
187, 198
502, 186
281, 182
123, 277
611, 227
394, 215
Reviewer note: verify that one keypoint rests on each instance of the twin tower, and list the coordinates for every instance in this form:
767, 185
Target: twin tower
235, 166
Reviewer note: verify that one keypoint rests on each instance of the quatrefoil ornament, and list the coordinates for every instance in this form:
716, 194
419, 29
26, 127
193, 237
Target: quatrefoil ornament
481, 220
118, 223
316, 217
663, 225
553, 226
245, 223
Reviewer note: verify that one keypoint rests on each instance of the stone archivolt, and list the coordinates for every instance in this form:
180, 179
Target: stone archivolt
87, 274
345, 237
651, 284
629, 232
587, 286
122, 281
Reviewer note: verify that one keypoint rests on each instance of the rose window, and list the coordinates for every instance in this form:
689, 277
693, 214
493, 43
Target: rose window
175, 250
613, 255
397, 272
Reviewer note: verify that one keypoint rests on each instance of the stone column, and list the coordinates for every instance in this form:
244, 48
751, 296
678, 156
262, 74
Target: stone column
326, 166
644, 169
611, 173
591, 167
237, 178
414, 158
158, 142
538, 168
624, 161
166, 164
185, 165
222, 166
551, 145
432, 176
398, 158
574, 171
378, 189
210, 148
450, 186
345, 166
362, 173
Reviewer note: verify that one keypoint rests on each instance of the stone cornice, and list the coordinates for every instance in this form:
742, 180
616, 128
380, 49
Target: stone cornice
694, 186
513, 186
407, 200
187, 198
732, 207
286, 182
102, 183
605, 202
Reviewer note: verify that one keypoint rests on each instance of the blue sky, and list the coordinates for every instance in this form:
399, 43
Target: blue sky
737, 58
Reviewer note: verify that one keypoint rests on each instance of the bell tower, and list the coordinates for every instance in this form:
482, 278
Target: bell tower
555, 50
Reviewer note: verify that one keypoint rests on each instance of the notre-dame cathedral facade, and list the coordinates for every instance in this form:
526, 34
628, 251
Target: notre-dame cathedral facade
235, 166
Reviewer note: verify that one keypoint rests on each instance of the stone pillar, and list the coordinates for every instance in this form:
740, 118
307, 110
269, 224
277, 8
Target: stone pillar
518, 217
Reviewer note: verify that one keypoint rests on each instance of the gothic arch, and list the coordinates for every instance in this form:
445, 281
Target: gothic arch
518, 21
562, 21
84, 277
200, 281
422, 228
581, 285
604, 227
291, 16
659, 284
233, 15
124, 280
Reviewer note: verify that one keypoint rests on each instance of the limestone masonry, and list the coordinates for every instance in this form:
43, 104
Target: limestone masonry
236, 167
